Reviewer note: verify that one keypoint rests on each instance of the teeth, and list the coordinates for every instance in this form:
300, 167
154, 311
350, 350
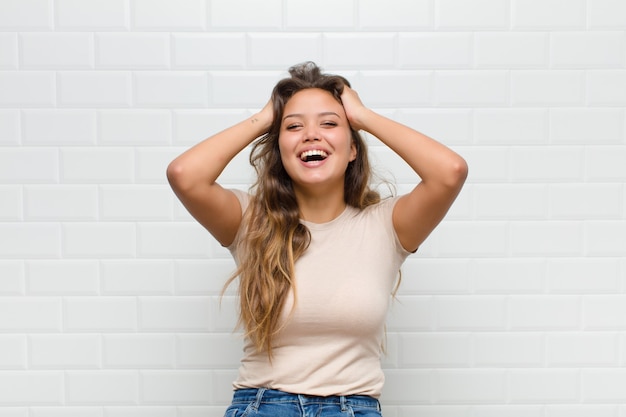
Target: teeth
315, 152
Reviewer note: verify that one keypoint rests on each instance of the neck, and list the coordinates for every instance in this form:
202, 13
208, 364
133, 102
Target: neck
320, 207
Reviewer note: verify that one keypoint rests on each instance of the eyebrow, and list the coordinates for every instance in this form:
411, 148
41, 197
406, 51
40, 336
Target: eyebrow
326, 113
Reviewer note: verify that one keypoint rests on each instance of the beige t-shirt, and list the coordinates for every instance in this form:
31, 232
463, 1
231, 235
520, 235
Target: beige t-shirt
331, 344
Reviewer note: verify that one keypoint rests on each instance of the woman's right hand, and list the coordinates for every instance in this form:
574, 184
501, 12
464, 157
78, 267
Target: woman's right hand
265, 116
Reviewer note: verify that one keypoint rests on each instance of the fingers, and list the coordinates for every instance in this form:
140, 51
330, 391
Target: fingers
353, 106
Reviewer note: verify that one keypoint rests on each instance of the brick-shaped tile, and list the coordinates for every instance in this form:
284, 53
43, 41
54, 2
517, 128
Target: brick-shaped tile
76, 15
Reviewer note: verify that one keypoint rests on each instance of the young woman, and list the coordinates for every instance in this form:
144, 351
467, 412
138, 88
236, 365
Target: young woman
318, 252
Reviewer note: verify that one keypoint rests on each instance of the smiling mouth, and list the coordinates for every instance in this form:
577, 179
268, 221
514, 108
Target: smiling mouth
313, 155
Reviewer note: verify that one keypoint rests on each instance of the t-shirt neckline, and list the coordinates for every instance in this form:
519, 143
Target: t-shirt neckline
320, 226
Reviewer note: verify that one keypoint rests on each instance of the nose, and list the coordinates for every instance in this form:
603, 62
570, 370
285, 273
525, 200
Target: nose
311, 134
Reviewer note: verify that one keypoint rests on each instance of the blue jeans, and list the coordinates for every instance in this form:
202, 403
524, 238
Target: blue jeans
263, 402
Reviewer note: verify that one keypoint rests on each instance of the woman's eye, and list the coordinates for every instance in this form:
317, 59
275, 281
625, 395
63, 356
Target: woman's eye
292, 127
329, 124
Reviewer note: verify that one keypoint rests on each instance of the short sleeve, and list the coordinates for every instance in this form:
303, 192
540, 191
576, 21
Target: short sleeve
244, 202
384, 212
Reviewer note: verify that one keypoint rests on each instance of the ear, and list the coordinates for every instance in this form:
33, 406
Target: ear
353, 151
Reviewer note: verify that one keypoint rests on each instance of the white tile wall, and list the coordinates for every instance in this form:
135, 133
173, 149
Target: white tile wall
94, 89
56, 50
102, 15
8, 51
166, 15
27, 89
28, 15
606, 14
483, 14
109, 291
136, 50
548, 14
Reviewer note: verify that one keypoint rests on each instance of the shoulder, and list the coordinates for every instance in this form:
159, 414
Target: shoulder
383, 208
380, 216
377, 215
243, 197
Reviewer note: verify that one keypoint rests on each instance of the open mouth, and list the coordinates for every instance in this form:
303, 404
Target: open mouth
313, 155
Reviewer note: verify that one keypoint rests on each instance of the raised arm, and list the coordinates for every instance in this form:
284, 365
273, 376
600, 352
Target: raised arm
193, 176
441, 170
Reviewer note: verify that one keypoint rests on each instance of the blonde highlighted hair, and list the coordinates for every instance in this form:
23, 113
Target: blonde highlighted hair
273, 237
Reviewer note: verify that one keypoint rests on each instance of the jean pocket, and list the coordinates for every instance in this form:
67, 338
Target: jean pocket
238, 410
356, 411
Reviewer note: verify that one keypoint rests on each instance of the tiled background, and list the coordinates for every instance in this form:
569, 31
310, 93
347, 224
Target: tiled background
109, 291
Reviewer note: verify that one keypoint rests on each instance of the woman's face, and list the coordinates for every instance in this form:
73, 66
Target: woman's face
315, 140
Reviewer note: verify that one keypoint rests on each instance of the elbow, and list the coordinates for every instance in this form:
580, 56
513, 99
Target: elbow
457, 174
176, 175
462, 169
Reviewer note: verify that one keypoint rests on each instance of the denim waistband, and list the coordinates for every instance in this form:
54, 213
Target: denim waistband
266, 395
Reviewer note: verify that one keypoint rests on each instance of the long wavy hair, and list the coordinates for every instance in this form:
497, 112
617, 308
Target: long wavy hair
273, 238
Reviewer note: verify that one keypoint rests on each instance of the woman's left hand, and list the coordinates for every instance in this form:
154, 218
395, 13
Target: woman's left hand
354, 107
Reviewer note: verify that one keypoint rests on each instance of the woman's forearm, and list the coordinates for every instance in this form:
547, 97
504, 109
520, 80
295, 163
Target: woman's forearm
204, 162
432, 161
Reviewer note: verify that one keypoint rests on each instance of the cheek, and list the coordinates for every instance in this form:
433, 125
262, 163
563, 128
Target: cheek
350, 144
